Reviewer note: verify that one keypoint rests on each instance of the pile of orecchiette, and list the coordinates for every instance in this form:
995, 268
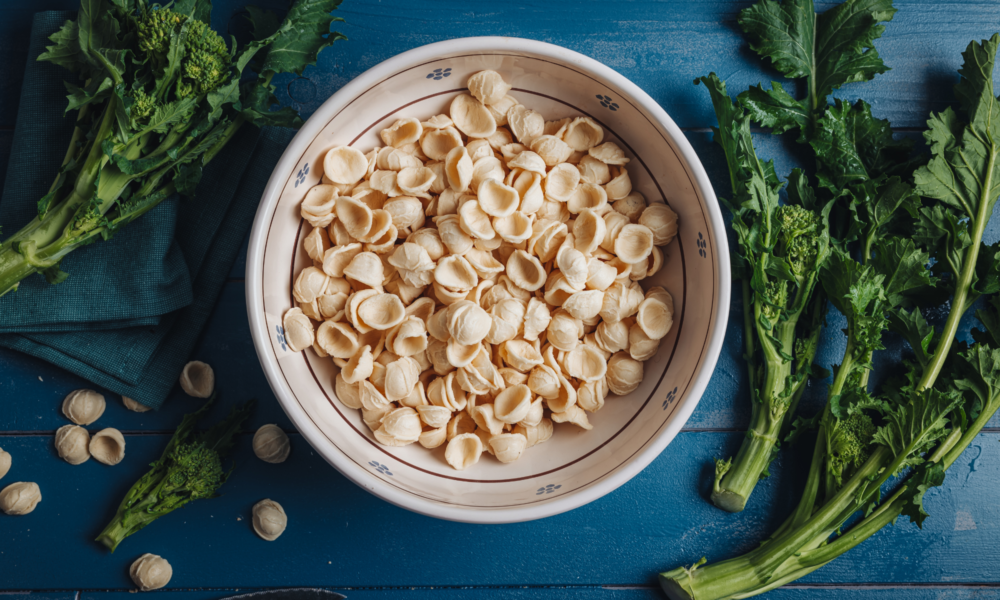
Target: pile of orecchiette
512, 301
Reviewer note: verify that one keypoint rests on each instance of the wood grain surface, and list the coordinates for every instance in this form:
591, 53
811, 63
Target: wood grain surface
342, 538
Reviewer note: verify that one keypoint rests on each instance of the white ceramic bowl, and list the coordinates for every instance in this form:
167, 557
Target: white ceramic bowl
575, 466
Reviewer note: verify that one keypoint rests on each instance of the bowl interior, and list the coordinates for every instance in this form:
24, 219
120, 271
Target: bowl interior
629, 431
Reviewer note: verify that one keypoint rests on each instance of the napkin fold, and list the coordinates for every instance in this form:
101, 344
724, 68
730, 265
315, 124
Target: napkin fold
133, 308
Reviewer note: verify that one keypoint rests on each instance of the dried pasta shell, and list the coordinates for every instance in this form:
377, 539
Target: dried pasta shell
488, 87
608, 153
406, 211
415, 180
554, 211
587, 196
397, 160
544, 381
561, 183
366, 268
536, 319
400, 378
360, 366
535, 413
198, 379
402, 132
355, 215
458, 168
574, 266
339, 340
344, 164
500, 138
449, 296
508, 447
557, 289
407, 338
593, 170
381, 223
525, 124
475, 222
438, 143
557, 128
373, 417
590, 396
316, 243
471, 117
552, 150
525, 271
536, 434
437, 122
582, 134
455, 272
521, 355
631, 206
483, 263
634, 243
620, 186
107, 446
564, 331
348, 393
528, 161
434, 416
655, 318
575, 415
299, 333
546, 238
486, 419
445, 392
336, 259
371, 398
624, 374
586, 363
641, 346
615, 222
499, 109
463, 451
662, 221
461, 355
508, 318
72, 444
467, 323
479, 149
496, 199
600, 275
588, 231
529, 188
385, 181
430, 240
487, 167
565, 398
433, 438
515, 228
612, 337
585, 305
338, 234
317, 206
381, 311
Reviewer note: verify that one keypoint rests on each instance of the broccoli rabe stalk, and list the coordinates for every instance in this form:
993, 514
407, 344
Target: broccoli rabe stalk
189, 469
781, 248
950, 392
161, 96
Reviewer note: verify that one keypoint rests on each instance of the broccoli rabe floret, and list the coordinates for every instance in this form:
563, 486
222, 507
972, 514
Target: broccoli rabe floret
850, 444
196, 471
143, 106
800, 229
775, 298
205, 64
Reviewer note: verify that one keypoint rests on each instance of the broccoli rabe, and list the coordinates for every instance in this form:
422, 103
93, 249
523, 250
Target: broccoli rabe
163, 94
189, 469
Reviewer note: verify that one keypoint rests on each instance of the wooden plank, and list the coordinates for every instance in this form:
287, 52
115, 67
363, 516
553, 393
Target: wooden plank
662, 46
590, 593
339, 535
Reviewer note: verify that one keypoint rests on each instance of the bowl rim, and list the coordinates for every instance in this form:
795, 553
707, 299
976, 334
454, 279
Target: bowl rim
261, 336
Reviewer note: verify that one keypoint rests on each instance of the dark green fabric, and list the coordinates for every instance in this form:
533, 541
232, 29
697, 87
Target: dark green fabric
130, 280
144, 362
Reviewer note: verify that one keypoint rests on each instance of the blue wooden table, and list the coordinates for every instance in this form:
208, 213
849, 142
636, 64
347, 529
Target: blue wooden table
342, 538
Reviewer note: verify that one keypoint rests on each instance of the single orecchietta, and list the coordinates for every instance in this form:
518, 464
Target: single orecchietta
134, 406
20, 498
5, 461
83, 407
269, 519
271, 444
477, 278
108, 446
198, 379
72, 444
150, 572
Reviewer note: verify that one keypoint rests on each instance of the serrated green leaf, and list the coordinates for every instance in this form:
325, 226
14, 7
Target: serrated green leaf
941, 229
187, 178
914, 327
257, 103
223, 95
65, 49
303, 34
989, 316
775, 108
909, 429
830, 49
904, 266
167, 115
264, 22
98, 39
964, 171
197, 9
977, 375
97, 90
917, 484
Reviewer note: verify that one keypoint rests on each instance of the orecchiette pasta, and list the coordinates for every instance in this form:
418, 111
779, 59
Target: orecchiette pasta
476, 280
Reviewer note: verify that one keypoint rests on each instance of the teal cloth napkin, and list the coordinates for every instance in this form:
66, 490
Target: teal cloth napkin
161, 275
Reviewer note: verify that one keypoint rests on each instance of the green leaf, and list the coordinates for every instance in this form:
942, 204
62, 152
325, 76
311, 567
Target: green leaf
167, 115
941, 229
65, 49
303, 34
914, 327
264, 22
55, 275
198, 9
187, 178
174, 60
775, 108
989, 316
964, 170
977, 375
911, 428
904, 266
924, 478
97, 90
98, 35
221, 96
830, 49
257, 102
